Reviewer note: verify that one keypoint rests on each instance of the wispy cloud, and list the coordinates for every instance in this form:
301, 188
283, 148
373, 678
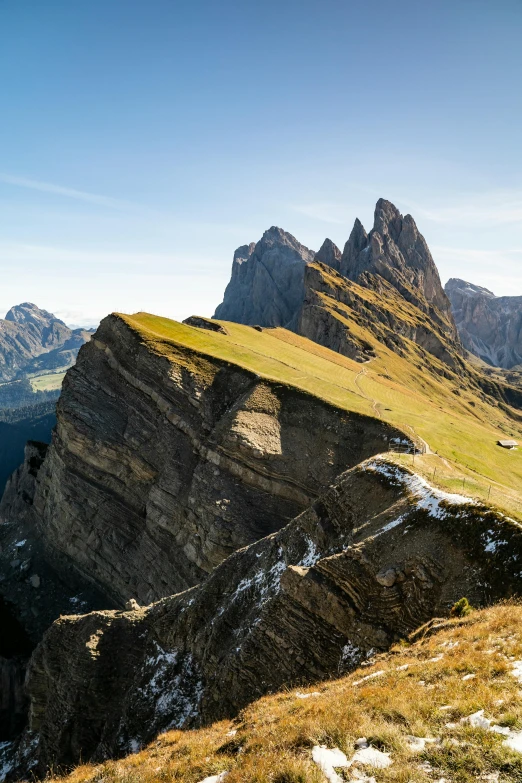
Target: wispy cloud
495, 208
59, 190
12, 254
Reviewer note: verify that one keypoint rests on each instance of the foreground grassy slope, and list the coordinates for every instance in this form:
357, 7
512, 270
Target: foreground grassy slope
460, 426
423, 688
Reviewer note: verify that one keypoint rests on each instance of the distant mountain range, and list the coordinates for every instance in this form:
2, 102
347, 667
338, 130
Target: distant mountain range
33, 340
36, 348
489, 326
277, 282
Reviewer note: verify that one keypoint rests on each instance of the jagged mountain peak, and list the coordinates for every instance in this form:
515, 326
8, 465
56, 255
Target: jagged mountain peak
243, 253
329, 254
397, 251
269, 285
27, 312
387, 219
467, 288
278, 236
266, 286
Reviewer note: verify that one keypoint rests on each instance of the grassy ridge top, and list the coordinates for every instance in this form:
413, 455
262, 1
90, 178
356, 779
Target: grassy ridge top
425, 689
462, 428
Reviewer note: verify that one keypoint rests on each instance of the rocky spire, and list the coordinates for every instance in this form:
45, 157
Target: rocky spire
352, 264
329, 254
397, 251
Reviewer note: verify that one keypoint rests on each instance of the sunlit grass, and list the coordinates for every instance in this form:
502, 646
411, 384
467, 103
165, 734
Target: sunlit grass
272, 739
47, 382
462, 428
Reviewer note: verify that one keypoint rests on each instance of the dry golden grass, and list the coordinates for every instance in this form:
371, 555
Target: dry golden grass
274, 736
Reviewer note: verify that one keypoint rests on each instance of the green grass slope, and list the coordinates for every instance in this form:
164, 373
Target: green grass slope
461, 429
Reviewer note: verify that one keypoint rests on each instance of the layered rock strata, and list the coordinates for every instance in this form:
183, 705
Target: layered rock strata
376, 556
162, 466
333, 306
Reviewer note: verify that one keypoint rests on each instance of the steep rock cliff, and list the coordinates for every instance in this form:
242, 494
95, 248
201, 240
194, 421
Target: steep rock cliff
376, 556
335, 309
165, 461
329, 254
266, 286
489, 326
397, 251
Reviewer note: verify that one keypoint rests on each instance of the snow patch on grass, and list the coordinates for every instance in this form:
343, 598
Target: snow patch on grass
426, 497
328, 760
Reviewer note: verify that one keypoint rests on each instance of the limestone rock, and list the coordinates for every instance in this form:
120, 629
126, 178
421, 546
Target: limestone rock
298, 606
489, 326
396, 251
271, 285
329, 254
160, 468
332, 303
266, 286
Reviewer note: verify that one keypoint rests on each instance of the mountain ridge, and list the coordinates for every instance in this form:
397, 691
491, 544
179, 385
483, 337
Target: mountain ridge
242, 494
490, 326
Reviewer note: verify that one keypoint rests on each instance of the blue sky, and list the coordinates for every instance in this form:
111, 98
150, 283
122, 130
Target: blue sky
142, 142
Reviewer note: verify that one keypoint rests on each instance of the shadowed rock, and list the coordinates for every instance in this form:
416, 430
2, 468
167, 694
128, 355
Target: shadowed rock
376, 556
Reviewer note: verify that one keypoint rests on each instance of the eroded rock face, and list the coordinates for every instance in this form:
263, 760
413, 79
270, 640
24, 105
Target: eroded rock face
385, 316
489, 326
272, 285
395, 250
266, 286
161, 467
329, 254
376, 556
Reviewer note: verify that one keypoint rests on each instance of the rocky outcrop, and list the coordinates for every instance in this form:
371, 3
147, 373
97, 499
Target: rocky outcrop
329, 254
489, 326
376, 556
272, 285
266, 286
163, 465
32, 340
342, 315
395, 250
